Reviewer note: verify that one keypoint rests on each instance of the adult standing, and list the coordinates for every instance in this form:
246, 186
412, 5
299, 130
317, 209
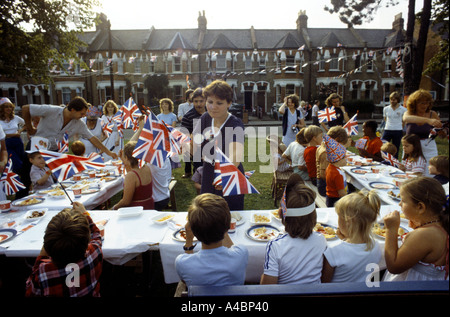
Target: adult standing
12, 127
420, 120
183, 108
293, 119
219, 128
3, 160
167, 116
95, 126
335, 100
195, 113
115, 140
393, 116
315, 113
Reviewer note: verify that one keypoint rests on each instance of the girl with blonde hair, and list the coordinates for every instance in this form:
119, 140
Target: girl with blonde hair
347, 260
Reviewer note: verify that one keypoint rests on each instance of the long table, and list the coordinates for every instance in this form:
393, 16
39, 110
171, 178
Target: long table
126, 237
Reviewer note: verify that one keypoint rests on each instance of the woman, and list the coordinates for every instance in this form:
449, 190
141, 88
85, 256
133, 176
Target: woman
114, 142
335, 100
167, 115
420, 120
12, 126
218, 128
95, 125
293, 119
137, 186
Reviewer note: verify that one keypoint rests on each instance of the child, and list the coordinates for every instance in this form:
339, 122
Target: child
340, 135
423, 254
335, 177
72, 241
197, 179
389, 148
413, 159
137, 186
40, 174
294, 153
438, 166
78, 148
167, 115
373, 143
295, 257
347, 260
313, 136
219, 262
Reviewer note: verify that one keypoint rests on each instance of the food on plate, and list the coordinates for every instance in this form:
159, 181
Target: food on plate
165, 218
57, 193
260, 218
327, 231
236, 215
263, 234
381, 186
381, 231
36, 214
182, 233
392, 194
276, 214
29, 201
360, 171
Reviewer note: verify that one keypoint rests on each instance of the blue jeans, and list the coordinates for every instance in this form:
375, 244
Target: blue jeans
395, 136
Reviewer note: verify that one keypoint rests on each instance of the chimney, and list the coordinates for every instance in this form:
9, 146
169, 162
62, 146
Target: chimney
302, 21
398, 23
202, 21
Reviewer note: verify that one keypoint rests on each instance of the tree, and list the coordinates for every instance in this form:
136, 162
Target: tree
354, 12
35, 35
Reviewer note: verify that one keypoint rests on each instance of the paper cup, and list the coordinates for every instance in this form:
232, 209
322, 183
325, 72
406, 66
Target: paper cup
375, 170
358, 163
232, 225
399, 182
92, 174
5, 205
369, 160
77, 192
76, 177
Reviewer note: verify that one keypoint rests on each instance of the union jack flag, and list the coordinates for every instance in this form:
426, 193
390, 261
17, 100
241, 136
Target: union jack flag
130, 112
63, 145
64, 166
11, 181
231, 179
352, 125
329, 114
178, 138
361, 144
391, 159
107, 129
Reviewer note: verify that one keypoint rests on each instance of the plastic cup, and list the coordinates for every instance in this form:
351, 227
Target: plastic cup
77, 192
232, 226
5, 205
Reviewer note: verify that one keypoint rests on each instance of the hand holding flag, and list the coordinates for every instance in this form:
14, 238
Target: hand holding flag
327, 115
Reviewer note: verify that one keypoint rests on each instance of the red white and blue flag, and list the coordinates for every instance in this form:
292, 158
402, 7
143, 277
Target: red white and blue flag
107, 129
228, 176
11, 181
391, 159
63, 145
327, 115
64, 166
352, 125
129, 114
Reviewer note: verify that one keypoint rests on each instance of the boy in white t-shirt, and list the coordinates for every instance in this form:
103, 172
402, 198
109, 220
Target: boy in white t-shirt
294, 153
393, 116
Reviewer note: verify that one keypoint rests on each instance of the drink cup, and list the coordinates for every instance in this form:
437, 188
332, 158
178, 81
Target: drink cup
5, 205
375, 170
232, 226
76, 177
77, 192
92, 174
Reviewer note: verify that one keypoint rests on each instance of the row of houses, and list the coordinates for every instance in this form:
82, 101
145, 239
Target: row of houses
262, 65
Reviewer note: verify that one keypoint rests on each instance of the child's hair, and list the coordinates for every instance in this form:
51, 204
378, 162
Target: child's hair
300, 137
440, 162
31, 156
168, 101
78, 148
339, 134
128, 153
414, 140
359, 211
388, 147
372, 125
219, 88
209, 217
430, 192
67, 237
395, 95
311, 132
299, 195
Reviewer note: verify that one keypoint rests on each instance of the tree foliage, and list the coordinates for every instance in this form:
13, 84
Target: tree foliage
37, 34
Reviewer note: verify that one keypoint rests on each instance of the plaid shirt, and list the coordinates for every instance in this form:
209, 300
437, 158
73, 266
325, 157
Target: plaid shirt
47, 279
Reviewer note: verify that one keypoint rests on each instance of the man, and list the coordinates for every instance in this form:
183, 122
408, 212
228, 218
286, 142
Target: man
199, 109
185, 107
56, 120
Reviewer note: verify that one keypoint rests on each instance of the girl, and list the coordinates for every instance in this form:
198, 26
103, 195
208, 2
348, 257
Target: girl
413, 159
137, 186
293, 119
295, 257
424, 252
438, 166
115, 140
313, 136
347, 260
167, 115
295, 153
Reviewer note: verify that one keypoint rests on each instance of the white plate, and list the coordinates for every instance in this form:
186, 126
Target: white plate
271, 232
381, 225
163, 218
6, 234
130, 211
236, 215
266, 218
19, 203
42, 211
179, 235
327, 235
54, 196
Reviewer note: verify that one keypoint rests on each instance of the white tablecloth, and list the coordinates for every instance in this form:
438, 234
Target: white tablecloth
170, 248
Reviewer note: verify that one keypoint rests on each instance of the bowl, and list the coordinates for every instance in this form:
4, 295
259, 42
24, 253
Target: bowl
35, 214
163, 218
5, 205
130, 211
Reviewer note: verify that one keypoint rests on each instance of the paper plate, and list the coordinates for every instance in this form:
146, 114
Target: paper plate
30, 201
379, 231
322, 229
382, 185
6, 234
262, 233
180, 235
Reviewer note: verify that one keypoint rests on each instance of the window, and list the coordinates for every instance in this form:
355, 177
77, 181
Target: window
221, 63
176, 62
357, 59
290, 89
334, 63
388, 64
177, 93
108, 94
151, 66
370, 65
369, 90
355, 90
248, 64
262, 63
290, 63
137, 66
66, 95
387, 92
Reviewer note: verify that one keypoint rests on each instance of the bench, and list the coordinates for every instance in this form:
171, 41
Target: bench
325, 289
173, 202
320, 200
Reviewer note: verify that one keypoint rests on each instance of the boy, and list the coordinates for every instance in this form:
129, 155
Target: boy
372, 144
78, 148
40, 175
70, 262
335, 177
438, 166
219, 262
295, 153
389, 148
